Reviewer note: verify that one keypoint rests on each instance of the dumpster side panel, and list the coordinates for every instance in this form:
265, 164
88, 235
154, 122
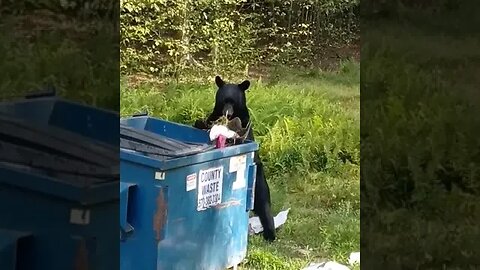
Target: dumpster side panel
137, 246
79, 236
171, 230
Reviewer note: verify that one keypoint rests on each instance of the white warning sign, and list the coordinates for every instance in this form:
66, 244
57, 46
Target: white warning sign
238, 164
209, 188
191, 181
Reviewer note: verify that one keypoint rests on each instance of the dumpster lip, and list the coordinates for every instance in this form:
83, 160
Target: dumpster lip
89, 195
144, 120
210, 155
231, 151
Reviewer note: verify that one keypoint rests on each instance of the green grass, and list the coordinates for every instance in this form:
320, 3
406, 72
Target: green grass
305, 120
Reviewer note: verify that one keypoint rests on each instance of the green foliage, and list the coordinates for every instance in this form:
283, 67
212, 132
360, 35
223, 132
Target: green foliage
77, 55
422, 103
174, 37
167, 37
260, 259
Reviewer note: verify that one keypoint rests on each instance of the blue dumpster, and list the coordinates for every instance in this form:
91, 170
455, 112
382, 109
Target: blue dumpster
183, 203
59, 180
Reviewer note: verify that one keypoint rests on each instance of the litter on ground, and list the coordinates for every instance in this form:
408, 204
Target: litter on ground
256, 227
326, 266
354, 258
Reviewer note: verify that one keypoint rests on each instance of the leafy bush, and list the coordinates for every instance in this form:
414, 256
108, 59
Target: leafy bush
173, 37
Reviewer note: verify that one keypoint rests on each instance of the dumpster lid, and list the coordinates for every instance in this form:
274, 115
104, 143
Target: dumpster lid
60, 155
158, 146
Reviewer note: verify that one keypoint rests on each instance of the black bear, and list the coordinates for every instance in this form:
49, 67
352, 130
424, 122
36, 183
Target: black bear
230, 100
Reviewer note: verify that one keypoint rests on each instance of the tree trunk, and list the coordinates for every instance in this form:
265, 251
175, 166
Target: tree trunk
290, 16
185, 41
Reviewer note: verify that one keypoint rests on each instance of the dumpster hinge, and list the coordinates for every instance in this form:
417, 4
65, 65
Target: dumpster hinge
126, 190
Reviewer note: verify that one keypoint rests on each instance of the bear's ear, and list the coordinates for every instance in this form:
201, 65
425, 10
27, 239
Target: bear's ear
244, 85
219, 81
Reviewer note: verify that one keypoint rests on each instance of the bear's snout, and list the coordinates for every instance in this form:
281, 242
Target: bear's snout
228, 110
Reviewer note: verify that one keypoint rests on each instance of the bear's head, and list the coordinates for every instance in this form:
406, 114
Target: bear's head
230, 99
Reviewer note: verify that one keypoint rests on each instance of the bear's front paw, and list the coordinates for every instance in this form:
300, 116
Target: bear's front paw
200, 124
269, 235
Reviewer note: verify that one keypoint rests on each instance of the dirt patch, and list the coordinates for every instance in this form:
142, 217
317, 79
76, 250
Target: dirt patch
327, 59
135, 80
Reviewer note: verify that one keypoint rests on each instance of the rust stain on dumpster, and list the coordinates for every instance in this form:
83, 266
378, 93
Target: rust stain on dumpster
160, 215
81, 258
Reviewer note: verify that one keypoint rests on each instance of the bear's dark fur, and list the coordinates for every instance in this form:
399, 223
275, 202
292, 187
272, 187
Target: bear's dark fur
230, 100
